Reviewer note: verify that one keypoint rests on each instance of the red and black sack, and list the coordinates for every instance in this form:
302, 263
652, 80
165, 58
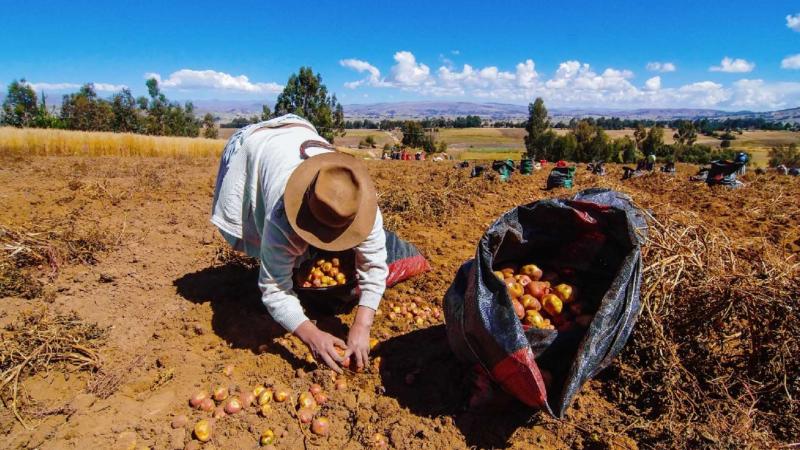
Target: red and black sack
591, 241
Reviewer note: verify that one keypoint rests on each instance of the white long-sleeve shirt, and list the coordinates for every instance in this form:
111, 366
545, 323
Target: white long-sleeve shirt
248, 209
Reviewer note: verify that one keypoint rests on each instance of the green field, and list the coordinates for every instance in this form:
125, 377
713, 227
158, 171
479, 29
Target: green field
505, 143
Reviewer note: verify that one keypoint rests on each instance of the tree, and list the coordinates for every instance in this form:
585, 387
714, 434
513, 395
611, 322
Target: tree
628, 151
654, 140
266, 114
209, 129
413, 134
788, 155
156, 109
592, 142
44, 117
639, 135
537, 126
19, 106
127, 118
306, 96
686, 134
83, 110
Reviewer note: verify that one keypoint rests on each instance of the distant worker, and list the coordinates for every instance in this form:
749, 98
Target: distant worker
723, 173
281, 188
597, 168
741, 157
668, 167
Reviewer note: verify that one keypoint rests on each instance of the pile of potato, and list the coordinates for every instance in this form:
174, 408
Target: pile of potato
220, 402
540, 305
325, 273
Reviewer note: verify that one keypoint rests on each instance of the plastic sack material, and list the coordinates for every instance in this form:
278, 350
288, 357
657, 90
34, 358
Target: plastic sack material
560, 177
591, 241
404, 260
724, 173
504, 168
526, 166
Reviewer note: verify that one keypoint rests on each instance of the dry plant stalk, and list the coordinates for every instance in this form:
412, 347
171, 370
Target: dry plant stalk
38, 341
105, 382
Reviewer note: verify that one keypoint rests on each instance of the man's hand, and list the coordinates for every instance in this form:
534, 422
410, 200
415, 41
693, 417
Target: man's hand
358, 338
321, 344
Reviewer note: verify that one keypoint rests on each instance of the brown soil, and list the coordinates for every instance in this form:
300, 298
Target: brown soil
177, 307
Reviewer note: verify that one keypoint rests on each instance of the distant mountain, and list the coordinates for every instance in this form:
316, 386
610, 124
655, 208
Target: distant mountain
503, 111
228, 109
417, 110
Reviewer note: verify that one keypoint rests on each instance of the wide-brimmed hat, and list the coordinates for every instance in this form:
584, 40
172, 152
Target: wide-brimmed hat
331, 202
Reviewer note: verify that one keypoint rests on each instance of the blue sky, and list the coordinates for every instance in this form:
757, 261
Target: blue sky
718, 54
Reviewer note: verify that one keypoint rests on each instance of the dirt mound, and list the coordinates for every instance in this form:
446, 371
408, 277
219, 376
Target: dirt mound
712, 362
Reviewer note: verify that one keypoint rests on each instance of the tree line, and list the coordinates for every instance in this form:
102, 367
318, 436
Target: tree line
705, 126
86, 111
587, 141
304, 95
468, 121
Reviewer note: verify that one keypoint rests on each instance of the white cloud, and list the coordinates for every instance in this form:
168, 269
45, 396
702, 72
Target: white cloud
526, 74
762, 95
373, 79
573, 84
407, 73
455, 52
108, 87
703, 94
791, 62
188, 79
656, 66
653, 84
99, 87
793, 22
731, 65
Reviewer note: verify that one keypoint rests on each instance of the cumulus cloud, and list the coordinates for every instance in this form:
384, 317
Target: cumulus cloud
189, 79
99, 87
373, 78
108, 87
573, 83
731, 65
760, 94
793, 22
408, 73
705, 94
791, 62
656, 66
653, 84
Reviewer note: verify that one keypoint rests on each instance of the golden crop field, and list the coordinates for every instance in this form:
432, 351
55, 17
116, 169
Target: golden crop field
50, 142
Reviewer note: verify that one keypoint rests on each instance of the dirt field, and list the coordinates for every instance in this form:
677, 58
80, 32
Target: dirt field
139, 259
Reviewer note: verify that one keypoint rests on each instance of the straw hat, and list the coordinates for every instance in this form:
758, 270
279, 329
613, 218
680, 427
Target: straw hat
331, 202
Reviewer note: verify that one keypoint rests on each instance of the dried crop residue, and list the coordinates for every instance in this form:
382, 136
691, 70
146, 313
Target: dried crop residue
711, 363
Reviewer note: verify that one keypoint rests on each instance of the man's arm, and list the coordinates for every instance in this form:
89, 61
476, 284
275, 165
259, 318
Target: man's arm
372, 271
371, 265
280, 248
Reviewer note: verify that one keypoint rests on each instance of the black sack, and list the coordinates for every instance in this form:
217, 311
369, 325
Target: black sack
560, 177
593, 241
